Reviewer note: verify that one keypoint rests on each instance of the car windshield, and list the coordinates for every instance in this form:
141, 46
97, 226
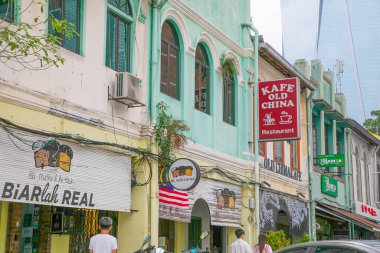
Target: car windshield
373, 244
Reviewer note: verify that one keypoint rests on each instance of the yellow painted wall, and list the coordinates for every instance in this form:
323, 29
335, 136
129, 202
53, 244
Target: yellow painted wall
3, 224
60, 243
180, 240
43, 121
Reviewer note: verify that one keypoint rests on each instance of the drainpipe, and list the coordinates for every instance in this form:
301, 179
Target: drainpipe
349, 183
256, 126
309, 118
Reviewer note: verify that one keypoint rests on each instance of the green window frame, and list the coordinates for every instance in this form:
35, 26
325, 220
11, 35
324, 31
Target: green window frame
228, 98
278, 151
7, 9
202, 80
118, 35
70, 10
195, 231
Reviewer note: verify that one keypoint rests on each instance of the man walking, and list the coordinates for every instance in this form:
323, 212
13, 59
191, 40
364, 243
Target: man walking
240, 246
103, 242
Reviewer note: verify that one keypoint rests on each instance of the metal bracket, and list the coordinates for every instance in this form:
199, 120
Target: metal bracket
134, 103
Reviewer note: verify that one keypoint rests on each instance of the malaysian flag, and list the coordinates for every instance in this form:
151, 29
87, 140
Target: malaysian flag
169, 196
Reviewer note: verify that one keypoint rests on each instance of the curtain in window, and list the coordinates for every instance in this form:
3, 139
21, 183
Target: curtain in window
278, 152
202, 76
294, 146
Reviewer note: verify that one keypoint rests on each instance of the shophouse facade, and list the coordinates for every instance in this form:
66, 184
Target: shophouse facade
284, 176
201, 67
67, 147
364, 149
332, 210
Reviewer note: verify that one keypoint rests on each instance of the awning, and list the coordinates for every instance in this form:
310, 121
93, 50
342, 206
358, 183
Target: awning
350, 217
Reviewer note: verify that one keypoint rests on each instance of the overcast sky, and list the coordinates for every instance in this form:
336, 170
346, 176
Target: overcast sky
266, 16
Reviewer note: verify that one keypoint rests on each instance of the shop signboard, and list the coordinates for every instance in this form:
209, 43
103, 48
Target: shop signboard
184, 174
281, 169
279, 112
331, 160
38, 170
223, 201
329, 185
367, 211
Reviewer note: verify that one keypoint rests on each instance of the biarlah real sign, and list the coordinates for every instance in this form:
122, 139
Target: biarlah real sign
279, 103
44, 171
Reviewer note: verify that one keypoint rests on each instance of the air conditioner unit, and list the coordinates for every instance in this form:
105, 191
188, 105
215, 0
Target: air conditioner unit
127, 88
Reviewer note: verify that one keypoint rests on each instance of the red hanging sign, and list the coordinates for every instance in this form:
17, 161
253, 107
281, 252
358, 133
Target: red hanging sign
279, 103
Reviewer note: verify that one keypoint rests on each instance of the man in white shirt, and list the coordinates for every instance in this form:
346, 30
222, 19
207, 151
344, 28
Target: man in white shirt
103, 242
240, 246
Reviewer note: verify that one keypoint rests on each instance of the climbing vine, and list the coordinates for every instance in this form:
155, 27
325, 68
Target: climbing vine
169, 135
228, 66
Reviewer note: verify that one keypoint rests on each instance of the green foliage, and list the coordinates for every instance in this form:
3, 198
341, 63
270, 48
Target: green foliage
229, 66
28, 44
277, 240
168, 135
304, 238
373, 124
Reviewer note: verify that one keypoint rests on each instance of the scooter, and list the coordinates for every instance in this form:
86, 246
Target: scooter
148, 249
196, 248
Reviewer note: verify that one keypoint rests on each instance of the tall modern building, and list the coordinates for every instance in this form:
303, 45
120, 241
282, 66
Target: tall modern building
345, 31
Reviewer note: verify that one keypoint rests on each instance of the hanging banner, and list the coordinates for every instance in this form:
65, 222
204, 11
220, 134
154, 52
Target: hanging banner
223, 200
38, 170
279, 105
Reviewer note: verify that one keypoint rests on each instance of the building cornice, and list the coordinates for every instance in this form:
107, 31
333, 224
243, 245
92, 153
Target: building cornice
216, 158
211, 29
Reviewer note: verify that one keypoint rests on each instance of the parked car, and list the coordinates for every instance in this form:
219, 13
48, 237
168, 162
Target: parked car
334, 247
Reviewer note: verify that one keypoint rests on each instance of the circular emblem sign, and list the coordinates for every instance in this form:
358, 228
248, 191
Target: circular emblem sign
184, 174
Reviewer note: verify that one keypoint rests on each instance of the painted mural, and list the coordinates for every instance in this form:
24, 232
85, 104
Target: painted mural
270, 206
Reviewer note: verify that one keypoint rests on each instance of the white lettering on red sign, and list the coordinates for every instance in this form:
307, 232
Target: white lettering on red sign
279, 110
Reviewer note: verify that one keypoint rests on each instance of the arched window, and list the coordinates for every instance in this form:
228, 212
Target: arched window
202, 80
228, 98
358, 175
119, 20
170, 61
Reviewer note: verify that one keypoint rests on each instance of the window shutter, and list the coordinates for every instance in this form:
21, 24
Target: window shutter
72, 15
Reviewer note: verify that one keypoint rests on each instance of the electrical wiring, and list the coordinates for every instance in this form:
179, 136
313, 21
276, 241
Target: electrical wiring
8, 126
228, 174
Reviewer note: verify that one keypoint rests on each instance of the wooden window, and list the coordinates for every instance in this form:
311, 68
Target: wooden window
202, 80
170, 61
228, 98
278, 151
7, 10
69, 10
262, 149
294, 155
118, 35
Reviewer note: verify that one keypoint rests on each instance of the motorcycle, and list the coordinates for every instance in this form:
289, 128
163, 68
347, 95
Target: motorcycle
196, 248
148, 249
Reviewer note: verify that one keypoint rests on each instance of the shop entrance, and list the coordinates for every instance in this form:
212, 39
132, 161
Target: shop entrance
200, 221
283, 223
217, 240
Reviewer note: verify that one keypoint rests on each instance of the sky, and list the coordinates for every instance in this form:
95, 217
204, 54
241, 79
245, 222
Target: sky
266, 17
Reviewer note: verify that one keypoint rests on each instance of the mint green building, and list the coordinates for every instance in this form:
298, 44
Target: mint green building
201, 65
